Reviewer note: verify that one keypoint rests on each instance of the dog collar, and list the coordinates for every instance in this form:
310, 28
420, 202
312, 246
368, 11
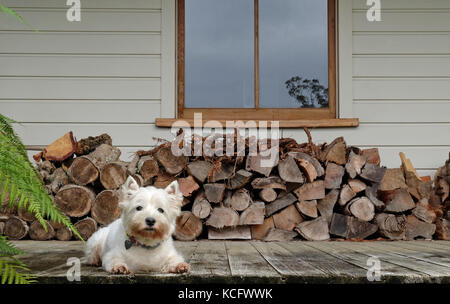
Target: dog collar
132, 241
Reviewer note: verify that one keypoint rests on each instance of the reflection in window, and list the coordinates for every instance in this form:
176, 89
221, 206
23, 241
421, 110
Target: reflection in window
293, 53
219, 48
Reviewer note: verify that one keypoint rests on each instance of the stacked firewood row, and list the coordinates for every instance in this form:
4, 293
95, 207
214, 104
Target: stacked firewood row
311, 192
83, 187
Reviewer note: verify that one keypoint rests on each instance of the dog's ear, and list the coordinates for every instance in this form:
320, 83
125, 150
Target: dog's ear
173, 189
128, 189
177, 197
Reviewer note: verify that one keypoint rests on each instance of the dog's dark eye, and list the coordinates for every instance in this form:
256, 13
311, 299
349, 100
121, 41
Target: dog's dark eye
139, 208
161, 210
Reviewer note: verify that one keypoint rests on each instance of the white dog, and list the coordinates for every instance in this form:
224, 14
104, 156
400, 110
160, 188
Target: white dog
141, 239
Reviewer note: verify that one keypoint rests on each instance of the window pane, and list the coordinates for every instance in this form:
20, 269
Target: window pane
293, 53
219, 48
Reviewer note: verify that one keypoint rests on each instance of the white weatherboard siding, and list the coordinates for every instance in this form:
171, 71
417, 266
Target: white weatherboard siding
103, 74
115, 72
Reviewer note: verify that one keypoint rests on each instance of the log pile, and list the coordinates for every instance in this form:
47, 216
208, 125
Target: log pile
311, 192
82, 177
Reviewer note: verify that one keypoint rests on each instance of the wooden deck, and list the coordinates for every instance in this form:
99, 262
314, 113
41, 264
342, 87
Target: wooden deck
259, 262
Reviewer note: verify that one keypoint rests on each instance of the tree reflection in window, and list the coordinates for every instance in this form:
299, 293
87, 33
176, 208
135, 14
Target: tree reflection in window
309, 93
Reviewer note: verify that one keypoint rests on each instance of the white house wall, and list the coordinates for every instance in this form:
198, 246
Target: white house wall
103, 74
114, 72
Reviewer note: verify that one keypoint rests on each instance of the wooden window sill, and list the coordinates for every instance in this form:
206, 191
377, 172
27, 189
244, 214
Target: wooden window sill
316, 123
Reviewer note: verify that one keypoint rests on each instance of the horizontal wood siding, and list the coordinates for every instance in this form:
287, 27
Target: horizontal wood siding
102, 74
401, 82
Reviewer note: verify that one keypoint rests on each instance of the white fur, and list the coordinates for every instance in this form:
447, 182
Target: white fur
106, 246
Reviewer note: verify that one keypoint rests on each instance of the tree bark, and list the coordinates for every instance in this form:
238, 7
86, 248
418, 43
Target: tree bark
89, 144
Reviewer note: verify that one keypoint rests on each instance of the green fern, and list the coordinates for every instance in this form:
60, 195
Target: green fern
14, 271
22, 186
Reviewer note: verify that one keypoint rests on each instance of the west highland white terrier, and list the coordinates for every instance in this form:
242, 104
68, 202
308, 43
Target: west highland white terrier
141, 239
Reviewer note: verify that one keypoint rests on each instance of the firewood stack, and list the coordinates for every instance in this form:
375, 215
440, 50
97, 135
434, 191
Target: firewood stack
311, 192
82, 178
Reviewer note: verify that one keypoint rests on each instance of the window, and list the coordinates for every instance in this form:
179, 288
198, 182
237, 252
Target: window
256, 59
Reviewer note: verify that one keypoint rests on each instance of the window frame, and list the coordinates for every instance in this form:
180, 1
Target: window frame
257, 113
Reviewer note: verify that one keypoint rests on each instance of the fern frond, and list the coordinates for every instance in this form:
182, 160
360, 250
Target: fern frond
21, 181
24, 188
12, 271
7, 248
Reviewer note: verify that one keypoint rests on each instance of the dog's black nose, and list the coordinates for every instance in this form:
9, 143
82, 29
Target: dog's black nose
150, 221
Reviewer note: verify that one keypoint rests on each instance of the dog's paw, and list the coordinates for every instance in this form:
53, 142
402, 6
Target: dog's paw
120, 269
180, 268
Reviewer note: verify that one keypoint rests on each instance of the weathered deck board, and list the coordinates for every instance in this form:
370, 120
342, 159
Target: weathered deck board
261, 262
428, 257
352, 253
245, 260
286, 263
325, 262
383, 253
210, 258
186, 249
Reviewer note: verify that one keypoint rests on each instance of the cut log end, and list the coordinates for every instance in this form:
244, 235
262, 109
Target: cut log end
188, 227
39, 233
74, 200
15, 228
86, 227
105, 208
